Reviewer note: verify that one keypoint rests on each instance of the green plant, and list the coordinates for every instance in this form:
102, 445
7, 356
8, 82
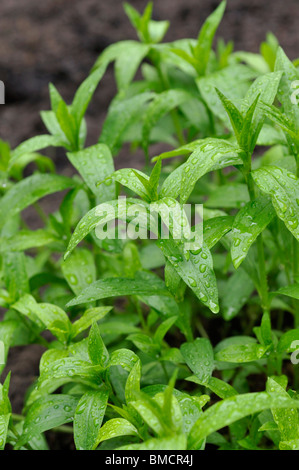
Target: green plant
135, 357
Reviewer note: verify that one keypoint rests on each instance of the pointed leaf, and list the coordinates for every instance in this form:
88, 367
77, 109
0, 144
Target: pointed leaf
197, 272
95, 163
199, 358
209, 152
143, 284
233, 409
32, 189
283, 187
88, 418
250, 221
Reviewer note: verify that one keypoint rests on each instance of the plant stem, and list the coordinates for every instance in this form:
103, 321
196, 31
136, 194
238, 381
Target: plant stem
140, 315
40, 212
260, 245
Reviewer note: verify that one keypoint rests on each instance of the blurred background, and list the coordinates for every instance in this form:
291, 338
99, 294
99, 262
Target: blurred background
59, 40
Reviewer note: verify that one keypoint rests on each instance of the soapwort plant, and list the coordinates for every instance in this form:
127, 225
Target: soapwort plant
148, 344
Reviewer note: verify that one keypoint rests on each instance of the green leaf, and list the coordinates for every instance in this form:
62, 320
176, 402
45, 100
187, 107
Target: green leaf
32, 188
171, 185
7, 330
88, 418
234, 114
127, 55
143, 284
26, 239
151, 412
145, 344
67, 368
233, 409
282, 120
95, 163
283, 187
238, 290
34, 144
247, 138
55, 97
163, 443
46, 413
250, 221
121, 114
214, 229
155, 178
49, 356
161, 105
104, 213
290, 291
127, 63
203, 47
208, 153
196, 271
265, 87
84, 94
185, 149
241, 353
233, 81
163, 329
124, 358
79, 270
289, 445
114, 428
133, 383
53, 317
199, 357
286, 341
96, 348
15, 275
5, 406
290, 74
231, 195
67, 124
90, 316
135, 180
4, 423
217, 386
287, 420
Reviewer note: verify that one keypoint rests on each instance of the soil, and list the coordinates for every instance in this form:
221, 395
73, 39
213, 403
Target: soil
59, 40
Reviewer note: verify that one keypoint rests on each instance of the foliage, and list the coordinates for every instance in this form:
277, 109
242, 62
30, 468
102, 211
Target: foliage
149, 345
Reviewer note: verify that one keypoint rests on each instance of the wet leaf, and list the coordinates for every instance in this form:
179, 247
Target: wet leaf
200, 358
88, 418
283, 187
250, 221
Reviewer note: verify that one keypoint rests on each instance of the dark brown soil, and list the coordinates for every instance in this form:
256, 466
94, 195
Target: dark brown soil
59, 40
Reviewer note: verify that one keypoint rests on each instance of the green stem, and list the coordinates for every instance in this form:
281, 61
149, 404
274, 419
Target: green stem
263, 291
140, 315
40, 212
